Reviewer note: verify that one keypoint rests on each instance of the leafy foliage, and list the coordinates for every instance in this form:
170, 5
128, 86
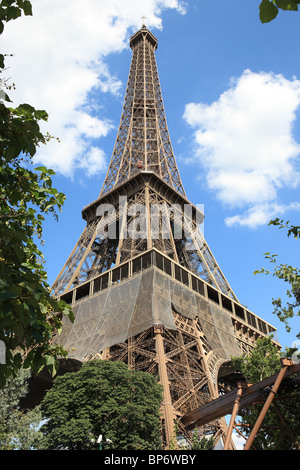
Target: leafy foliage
263, 361
269, 9
13, 9
27, 319
103, 397
288, 274
18, 430
200, 442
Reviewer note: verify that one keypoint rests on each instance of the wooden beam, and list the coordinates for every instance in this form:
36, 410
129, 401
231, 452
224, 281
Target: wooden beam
223, 405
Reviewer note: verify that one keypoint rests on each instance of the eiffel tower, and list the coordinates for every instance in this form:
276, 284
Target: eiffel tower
144, 286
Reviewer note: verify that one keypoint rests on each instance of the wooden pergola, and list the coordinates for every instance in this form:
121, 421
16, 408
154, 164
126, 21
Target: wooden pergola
243, 396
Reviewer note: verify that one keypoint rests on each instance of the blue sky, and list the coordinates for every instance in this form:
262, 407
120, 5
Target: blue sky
231, 89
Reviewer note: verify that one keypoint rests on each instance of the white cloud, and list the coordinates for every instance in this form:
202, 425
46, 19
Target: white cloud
60, 58
94, 162
91, 126
244, 141
260, 214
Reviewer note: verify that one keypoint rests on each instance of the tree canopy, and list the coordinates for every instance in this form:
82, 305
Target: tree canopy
103, 398
263, 361
27, 309
18, 429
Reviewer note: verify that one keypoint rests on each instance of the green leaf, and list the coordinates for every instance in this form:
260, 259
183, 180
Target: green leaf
267, 11
8, 294
50, 360
41, 114
43, 169
27, 7
7, 3
12, 13
26, 107
7, 98
287, 5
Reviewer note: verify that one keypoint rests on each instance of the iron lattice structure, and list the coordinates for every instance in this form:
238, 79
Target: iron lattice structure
143, 284
143, 139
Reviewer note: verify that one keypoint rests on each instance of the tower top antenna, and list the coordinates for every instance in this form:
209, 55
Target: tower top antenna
143, 18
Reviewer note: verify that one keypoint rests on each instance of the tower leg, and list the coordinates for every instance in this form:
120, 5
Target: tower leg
167, 407
179, 359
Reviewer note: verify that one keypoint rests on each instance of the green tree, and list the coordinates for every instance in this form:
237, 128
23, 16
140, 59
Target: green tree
269, 9
18, 429
263, 362
28, 317
200, 442
197, 441
106, 398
